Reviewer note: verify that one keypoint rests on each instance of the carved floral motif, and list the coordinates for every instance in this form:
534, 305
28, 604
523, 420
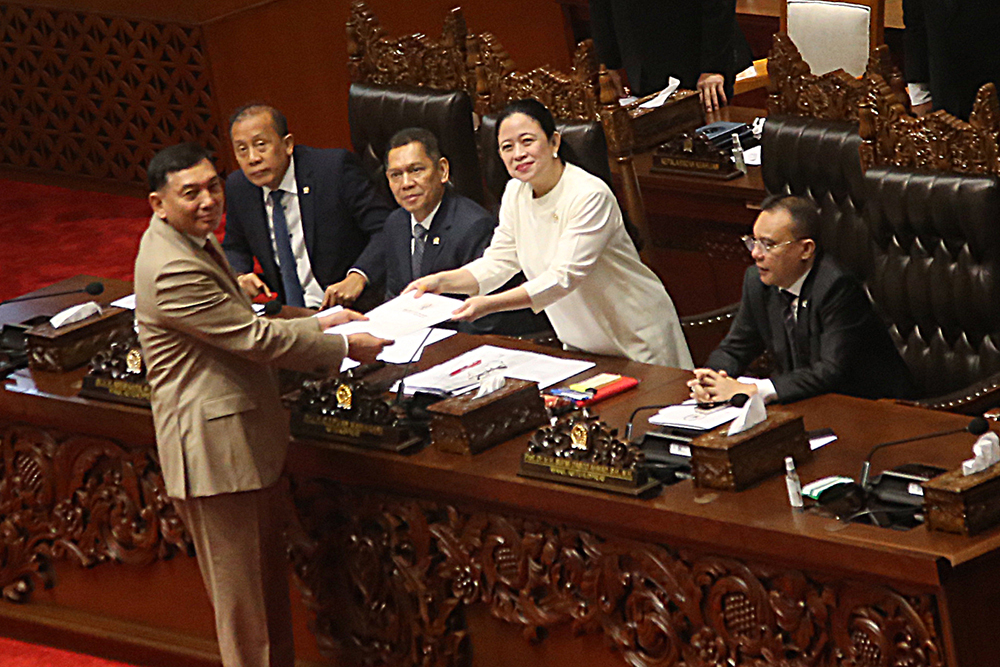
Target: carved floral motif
476, 63
78, 498
413, 566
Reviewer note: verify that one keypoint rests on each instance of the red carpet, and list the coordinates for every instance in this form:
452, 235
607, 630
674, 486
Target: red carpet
49, 233
19, 654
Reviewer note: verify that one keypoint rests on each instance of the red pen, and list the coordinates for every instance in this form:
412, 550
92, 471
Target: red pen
465, 368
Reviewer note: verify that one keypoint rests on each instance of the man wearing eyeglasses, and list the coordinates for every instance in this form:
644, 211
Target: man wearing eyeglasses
815, 319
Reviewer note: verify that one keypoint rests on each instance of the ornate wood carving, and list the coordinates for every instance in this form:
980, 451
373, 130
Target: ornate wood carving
476, 63
78, 498
794, 89
391, 577
95, 95
936, 142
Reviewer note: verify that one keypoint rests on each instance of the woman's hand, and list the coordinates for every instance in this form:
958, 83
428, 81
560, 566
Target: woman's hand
473, 308
431, 283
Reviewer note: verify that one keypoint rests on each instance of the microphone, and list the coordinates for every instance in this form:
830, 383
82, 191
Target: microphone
736, 401
93, 289
272, 307
406, 367
976, 427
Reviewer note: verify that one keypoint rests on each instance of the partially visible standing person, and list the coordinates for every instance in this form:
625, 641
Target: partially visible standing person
221, 430
563, 228
698, 42
950, 52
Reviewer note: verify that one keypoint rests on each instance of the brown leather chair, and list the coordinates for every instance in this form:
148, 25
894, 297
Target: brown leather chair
376, 112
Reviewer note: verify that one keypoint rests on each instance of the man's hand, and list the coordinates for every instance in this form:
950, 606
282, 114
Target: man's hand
345, 292
340, 317
364, 347
473, 308
252, 285
708, 386
711, 89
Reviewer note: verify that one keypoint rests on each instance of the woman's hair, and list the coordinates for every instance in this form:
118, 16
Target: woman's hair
532, 108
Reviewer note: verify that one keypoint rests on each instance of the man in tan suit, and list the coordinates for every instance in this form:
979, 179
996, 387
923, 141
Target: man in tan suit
221, 430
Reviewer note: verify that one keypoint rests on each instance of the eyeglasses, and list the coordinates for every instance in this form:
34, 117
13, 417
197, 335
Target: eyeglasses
767, 246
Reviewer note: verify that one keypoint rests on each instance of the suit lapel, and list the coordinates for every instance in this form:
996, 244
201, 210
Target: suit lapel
307, 209
802, 323
436, 235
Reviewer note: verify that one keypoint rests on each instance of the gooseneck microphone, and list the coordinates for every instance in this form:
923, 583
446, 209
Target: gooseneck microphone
976, 427
736, 401
272, 308
93, 289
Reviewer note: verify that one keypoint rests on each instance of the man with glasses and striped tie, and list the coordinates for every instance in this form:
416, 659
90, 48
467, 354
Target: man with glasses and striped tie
815, 319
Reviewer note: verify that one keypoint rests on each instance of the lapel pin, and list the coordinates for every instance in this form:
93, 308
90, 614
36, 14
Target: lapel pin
436, 241
305, 190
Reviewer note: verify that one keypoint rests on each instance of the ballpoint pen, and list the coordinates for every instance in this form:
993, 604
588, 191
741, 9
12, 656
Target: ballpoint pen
465, 368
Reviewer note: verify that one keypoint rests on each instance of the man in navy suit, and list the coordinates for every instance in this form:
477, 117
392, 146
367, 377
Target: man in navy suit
435, 229
815, 319
308, 215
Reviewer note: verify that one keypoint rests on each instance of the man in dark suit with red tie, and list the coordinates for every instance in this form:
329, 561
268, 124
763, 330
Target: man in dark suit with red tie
815, 319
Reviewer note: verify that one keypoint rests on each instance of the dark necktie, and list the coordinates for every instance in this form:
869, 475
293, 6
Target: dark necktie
286, 258
417, 258
789, 317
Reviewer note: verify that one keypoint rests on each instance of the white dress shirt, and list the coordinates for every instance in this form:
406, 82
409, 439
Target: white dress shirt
293, 218
425, 223
583, 271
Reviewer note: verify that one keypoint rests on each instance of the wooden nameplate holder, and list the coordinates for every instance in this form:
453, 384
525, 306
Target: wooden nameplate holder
691, 154
579, 449
118, 373
968, 505
73, 345
467, 425
651, 127
734, 463
346, 409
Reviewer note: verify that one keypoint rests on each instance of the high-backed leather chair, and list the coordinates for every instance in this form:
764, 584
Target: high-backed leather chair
936, 241
376, 112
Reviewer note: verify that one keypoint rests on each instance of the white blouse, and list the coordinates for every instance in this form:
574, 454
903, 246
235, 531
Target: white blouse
583, 271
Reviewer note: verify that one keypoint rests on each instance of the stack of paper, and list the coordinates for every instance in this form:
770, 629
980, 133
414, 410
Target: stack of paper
402, 316
465, 371
689, 415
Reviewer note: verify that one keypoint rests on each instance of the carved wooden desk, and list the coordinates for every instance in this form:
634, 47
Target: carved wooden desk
446, 559
695, 224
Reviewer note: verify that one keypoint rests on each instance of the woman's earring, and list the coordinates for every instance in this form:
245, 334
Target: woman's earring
555, 156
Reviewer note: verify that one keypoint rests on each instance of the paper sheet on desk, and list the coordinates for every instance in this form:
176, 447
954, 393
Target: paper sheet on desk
126, 302
662, 96
540, 368
752, 156
689, 415
402, 316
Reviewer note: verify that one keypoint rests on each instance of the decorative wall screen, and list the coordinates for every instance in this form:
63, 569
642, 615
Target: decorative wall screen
93, 95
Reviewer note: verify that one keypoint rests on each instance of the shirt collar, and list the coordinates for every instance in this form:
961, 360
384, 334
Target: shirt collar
287, 184
426, 222
796, 287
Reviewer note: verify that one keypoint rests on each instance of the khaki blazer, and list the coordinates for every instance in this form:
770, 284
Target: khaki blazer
211, 363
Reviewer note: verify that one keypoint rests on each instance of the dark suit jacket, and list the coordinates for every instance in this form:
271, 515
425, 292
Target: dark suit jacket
463, 229
342, 214
459, 233
654, 39
951, 46
849, 350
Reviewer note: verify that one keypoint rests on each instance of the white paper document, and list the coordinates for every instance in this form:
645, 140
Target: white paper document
126, 302
466, 370
689, 415
411, 346
401, 316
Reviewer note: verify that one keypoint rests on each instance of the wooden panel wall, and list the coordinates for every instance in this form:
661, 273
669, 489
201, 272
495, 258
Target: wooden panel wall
93, 89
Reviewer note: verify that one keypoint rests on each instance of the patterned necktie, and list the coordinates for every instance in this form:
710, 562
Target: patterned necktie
789, 317
286, 258
417, 258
